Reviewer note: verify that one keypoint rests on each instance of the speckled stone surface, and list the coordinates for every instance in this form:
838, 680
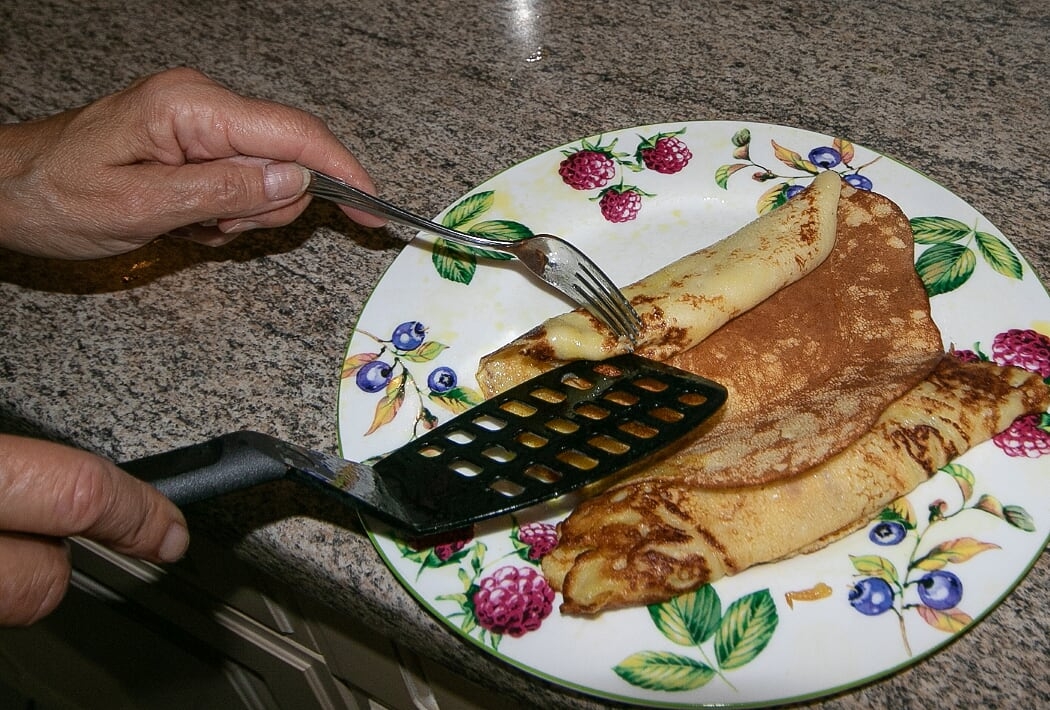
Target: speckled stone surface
175, 343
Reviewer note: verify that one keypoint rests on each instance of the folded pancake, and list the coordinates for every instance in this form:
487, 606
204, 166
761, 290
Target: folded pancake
646, 541
808, 368
689, 299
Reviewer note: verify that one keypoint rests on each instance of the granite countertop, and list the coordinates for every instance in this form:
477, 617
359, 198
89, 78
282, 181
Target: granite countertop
175, 343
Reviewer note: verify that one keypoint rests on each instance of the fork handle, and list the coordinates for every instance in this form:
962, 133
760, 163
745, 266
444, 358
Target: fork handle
336, 190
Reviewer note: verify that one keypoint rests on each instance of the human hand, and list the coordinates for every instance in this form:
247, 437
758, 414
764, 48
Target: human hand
173, 152
49, 492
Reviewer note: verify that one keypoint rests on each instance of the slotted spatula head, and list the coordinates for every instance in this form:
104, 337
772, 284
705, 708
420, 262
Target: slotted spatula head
549, 436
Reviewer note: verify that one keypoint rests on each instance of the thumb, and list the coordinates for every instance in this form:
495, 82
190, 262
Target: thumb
284, 181
232, 188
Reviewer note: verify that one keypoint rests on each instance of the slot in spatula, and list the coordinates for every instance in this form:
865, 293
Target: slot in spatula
546, 437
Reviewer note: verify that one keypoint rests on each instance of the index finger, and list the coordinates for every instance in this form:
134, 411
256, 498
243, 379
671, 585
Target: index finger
57, 491
210, 122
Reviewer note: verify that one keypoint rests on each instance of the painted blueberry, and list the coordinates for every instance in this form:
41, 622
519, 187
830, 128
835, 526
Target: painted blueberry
793, 190
409, 335
442, 379
888, 532
940, 589
871, 596
858, 181
373, 376
825, 157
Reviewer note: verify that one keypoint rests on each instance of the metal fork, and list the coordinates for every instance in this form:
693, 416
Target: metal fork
554, 260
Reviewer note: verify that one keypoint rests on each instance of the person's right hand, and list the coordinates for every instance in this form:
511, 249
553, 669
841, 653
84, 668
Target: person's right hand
49, 492
174, 151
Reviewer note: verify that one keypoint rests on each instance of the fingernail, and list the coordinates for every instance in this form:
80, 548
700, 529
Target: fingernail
175, 542
282, 181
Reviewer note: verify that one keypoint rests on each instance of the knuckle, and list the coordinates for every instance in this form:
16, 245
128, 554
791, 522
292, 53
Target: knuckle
174, 79
230, 192
83, 495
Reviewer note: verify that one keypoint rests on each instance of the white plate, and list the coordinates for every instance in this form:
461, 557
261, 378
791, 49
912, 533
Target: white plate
996, 508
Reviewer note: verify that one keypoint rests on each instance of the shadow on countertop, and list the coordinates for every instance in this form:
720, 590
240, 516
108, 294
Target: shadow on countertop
169, 255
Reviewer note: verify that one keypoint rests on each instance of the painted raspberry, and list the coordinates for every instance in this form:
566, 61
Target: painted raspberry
587, 169
620, 203
540, 537
966, 355
665, 154
1027, 437
445, 544
1023, 348
513, 600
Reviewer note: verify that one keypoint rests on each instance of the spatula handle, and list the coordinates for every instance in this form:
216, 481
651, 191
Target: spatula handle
221, 465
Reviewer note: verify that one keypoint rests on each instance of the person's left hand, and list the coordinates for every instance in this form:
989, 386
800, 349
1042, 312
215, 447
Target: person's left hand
174, 152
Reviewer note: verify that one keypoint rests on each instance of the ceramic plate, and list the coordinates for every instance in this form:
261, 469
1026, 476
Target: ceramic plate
636, 199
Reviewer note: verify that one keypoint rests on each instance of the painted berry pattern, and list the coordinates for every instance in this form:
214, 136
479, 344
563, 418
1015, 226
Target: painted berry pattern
929, 583
1027, 436
621, 204
390, 373
593, 165
534, 540
953, 246
512, 600
664, 153
500, 597
840, 156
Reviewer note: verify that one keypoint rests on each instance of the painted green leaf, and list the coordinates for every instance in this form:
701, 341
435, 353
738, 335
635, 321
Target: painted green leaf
998, 255
658, 670
945, 267
990, 504
772, 198
901, 511
742, 137
724, 172
389, 404
938, 230
963, 477
845, 149
1019, 518
689, 619
953, 551
793, 159
950, 620
504, 229
454, 262
425, 352
457, 399
746, 629
468, 210
875, 566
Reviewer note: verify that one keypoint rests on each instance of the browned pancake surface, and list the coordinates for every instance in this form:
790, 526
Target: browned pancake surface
646, 541
810, 368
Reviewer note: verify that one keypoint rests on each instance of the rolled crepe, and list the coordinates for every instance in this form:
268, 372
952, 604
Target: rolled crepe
646, 541
684, 302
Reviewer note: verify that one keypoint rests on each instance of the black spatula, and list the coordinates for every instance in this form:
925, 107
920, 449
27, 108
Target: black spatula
546, 437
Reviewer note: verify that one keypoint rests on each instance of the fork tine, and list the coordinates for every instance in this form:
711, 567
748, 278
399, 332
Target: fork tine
615, 311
